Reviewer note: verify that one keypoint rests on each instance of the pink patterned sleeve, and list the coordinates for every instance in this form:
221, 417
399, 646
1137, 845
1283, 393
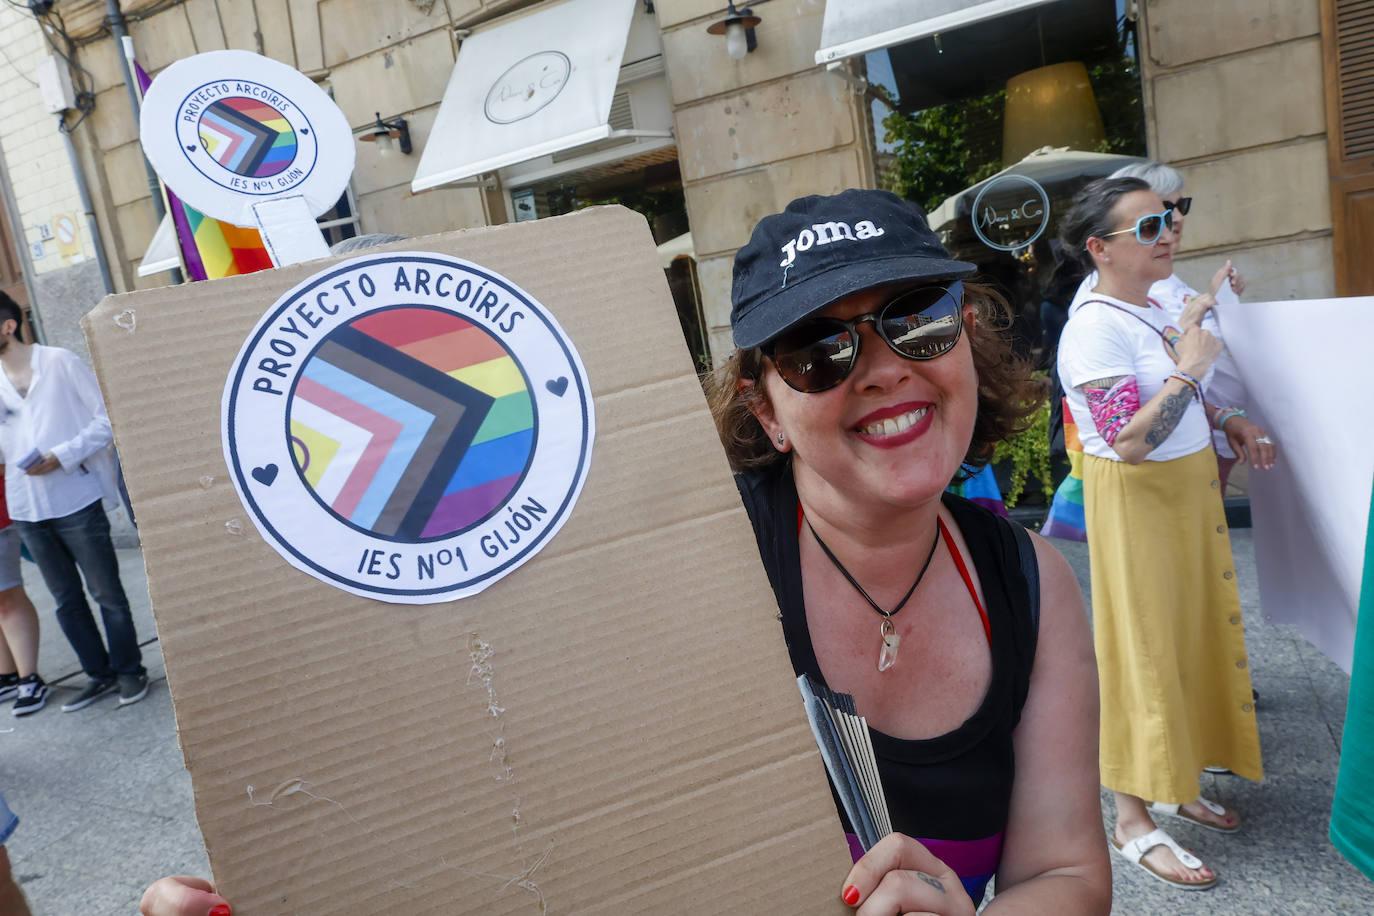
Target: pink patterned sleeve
1113, 409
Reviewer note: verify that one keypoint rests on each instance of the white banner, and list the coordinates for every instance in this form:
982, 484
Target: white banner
1307, 367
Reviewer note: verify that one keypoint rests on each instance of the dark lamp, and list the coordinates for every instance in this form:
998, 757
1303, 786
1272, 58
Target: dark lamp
388, 135
738, 29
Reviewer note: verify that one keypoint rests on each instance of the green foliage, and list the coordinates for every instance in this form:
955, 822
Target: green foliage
943, 150
1116, 84
938, 152
1029, 453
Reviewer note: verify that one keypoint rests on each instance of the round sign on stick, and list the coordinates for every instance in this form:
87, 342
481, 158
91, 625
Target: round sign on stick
227, 129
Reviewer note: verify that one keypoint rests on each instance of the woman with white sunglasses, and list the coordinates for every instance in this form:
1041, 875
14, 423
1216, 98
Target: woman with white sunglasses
1172, 668
1235, 437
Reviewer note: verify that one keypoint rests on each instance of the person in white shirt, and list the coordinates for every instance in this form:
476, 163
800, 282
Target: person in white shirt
52, 425
1173, 675
1235, 438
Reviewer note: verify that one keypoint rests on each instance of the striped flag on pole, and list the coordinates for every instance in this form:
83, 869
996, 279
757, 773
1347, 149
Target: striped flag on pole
210, 249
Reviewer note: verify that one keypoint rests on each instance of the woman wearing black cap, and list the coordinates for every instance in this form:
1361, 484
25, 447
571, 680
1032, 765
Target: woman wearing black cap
867, 373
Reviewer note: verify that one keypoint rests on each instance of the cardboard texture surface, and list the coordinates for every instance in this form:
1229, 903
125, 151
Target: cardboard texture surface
649, 752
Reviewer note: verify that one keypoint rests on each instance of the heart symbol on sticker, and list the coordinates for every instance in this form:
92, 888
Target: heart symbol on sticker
304, 130
265, 475
190, 147
557, 385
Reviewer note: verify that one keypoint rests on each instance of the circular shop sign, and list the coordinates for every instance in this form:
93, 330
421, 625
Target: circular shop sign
227, 129
527, 87
1010, 212
408, 426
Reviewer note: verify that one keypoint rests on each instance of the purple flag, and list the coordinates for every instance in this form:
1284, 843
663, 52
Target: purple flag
190, 254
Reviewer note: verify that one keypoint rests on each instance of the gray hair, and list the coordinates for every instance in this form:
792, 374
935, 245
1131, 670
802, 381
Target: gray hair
1163, 179
360, 242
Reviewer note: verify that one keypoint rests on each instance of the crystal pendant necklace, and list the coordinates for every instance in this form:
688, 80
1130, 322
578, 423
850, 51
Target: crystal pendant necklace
887, 652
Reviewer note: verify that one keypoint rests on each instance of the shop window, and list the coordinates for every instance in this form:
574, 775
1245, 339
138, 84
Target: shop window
649, 184
340, 221
1024, 110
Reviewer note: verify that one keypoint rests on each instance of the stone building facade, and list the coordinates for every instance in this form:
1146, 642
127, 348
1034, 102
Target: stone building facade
1234, 99
1233, 89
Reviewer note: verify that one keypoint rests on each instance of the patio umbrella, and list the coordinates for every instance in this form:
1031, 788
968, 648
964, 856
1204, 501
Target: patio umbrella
1060, 171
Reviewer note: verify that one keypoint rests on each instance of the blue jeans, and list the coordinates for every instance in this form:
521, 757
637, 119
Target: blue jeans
82, 540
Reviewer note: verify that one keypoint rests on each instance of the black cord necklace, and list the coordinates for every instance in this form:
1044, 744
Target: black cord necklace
887, 654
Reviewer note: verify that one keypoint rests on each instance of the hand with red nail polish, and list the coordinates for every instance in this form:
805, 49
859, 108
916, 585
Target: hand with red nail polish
899, 875
183, 896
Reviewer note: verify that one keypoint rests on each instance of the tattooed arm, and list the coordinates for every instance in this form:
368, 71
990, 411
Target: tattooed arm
1133, 429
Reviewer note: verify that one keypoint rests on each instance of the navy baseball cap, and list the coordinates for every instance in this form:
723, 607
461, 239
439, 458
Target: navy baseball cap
821, 249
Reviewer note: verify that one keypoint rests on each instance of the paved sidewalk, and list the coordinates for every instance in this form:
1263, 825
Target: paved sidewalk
1281, 861
103, 798
105, 804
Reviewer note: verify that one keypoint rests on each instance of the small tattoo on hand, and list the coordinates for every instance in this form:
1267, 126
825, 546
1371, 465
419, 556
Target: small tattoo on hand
933, 882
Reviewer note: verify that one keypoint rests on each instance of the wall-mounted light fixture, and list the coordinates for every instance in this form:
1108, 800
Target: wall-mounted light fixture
388, 135
738, 29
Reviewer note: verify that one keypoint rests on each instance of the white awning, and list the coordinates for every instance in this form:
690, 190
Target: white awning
527, 86
163, 253
854, 27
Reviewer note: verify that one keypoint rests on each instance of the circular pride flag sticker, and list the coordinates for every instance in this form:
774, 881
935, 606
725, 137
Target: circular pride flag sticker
227, 129
408, 426
247, 136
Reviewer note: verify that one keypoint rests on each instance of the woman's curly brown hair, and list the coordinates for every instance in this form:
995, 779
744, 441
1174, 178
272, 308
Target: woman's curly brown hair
1008, 397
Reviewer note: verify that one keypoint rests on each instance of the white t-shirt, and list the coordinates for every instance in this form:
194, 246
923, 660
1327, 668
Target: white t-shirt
1225, 388
1168, 294
1099, 341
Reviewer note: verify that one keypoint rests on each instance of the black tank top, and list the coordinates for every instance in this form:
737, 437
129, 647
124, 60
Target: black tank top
952, 792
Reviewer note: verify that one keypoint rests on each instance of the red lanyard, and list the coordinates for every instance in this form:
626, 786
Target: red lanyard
968, 580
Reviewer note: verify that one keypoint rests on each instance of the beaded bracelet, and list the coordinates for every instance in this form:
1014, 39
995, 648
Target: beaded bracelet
1188, 380
1219, 421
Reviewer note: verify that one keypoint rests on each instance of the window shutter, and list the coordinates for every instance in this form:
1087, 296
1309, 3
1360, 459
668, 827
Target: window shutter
1348, 55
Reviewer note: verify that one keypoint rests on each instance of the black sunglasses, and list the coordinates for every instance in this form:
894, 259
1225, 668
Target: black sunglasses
917, 324
1182, 205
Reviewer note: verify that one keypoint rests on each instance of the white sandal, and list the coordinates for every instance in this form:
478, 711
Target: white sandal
1177, 811
1135, 850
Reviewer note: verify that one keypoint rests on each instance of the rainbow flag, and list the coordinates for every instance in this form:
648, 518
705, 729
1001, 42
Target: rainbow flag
412, 423
211, 249
221, 249
982, 489
1065, 519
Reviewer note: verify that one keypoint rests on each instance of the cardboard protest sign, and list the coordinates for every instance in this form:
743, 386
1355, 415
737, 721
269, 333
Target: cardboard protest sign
611, 727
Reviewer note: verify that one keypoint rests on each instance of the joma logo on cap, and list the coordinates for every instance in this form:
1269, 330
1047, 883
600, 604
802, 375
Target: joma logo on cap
826, 233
